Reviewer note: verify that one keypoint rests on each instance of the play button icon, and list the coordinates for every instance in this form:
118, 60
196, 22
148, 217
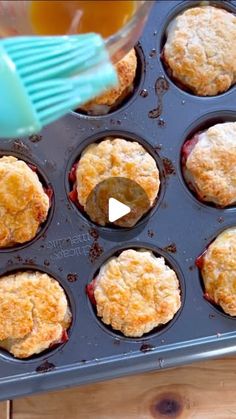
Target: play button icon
117, 210
117, 201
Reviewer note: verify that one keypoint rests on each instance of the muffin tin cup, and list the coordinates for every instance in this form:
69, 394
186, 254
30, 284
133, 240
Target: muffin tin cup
181, 7
200, 125
216, 307
110, 230
30, 265
20, 152
169, 262
129, 97
72, 248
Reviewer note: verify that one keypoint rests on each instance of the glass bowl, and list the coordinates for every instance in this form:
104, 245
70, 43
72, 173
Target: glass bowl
15, 21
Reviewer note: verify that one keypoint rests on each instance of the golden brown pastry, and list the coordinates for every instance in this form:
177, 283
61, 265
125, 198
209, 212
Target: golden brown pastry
209, 164
135, 292
126, 71
34, 313
23, 203
200, 50
116, 158
218, 269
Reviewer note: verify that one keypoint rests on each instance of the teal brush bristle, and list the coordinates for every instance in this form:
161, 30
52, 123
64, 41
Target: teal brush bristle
57, 74
53, 98
54, 56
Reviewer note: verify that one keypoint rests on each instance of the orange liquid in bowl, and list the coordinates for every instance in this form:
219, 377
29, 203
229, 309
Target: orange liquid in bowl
71, 17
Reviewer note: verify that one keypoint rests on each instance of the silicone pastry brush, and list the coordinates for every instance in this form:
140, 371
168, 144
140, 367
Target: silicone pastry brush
42, 78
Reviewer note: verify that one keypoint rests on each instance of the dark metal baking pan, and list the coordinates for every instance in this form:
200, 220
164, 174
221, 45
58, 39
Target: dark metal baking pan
72, 249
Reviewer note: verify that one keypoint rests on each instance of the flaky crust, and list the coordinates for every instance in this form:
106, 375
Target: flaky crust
211, 166
23, 203
126, 70
116, 158
201, 49
219, 271
33, 313
135, 292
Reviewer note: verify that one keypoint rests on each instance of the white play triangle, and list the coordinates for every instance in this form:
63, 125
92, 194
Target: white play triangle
116, 210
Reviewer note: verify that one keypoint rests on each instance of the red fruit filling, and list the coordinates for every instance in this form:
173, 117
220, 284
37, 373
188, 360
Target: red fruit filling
73, 196
200, 260
49, 193
32, 167
63, 339
188, 147
72, 173
199, 263
208, 298
90, 292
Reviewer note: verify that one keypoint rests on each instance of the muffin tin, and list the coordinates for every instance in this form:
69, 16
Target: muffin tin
71, 248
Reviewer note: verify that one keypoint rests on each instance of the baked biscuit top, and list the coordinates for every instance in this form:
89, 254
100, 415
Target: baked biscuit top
116, 158
126, 71
33, 312
201, 49
23, 203
136, 291
211, 165
219, 271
